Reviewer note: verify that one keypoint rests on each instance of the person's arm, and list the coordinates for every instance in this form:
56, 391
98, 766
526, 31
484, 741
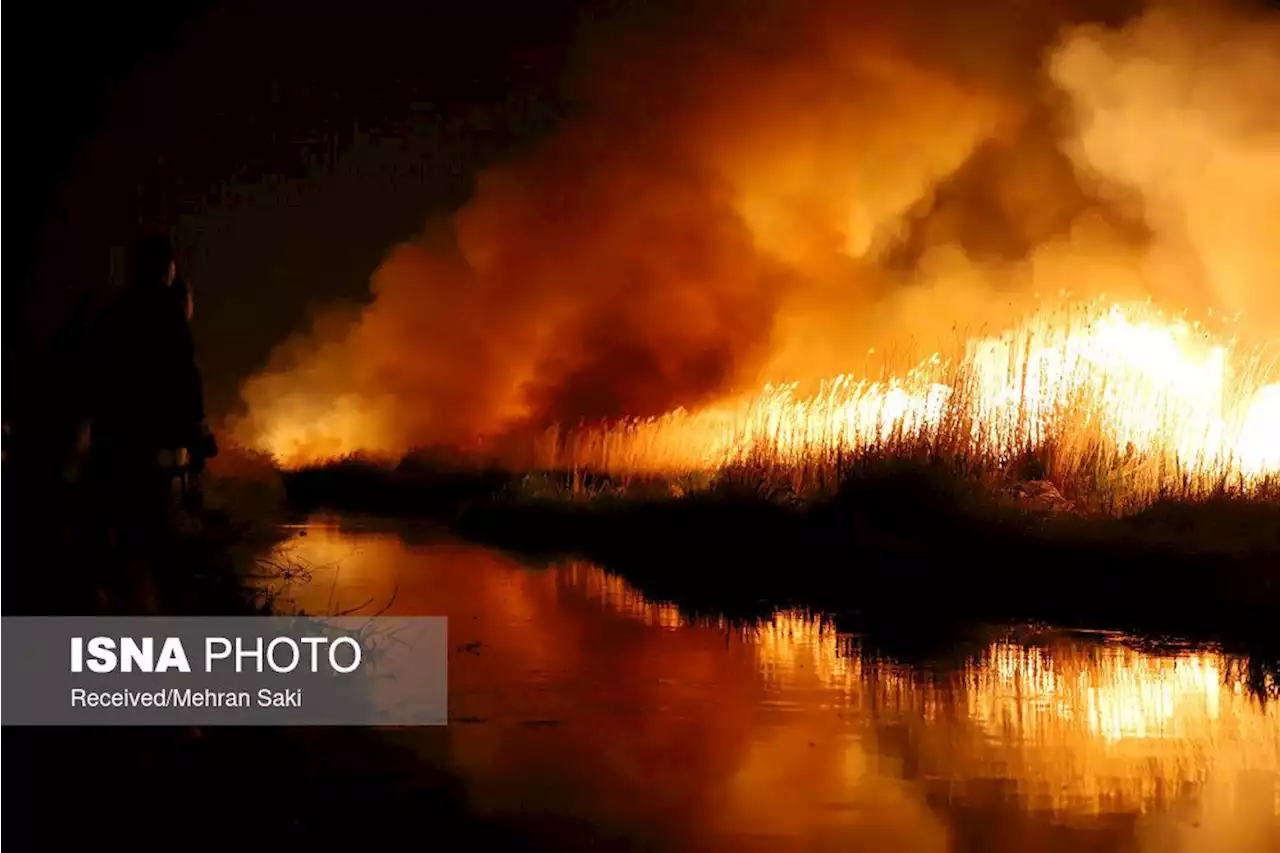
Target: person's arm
202, 445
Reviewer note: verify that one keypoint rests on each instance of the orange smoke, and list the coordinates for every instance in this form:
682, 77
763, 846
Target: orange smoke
766, 194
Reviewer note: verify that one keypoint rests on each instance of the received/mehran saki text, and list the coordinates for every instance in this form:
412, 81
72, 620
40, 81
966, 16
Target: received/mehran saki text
175, 697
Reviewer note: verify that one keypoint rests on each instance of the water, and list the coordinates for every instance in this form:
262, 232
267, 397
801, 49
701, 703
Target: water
573, 697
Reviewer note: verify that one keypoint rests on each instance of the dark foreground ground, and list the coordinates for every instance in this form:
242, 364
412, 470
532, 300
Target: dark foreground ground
894, 546
167, 788
252, 789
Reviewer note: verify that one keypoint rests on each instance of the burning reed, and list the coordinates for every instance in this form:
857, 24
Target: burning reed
1116, 404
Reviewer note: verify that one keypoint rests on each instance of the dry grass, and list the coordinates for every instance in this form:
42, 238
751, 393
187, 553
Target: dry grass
1114, 441
1119, 407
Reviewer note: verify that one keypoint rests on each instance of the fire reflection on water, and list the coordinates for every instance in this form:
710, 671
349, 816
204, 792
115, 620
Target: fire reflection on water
614, 592
1084, 727
1138, 727
787, 730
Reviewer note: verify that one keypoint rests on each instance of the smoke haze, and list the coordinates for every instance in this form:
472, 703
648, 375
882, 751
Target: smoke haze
768, 190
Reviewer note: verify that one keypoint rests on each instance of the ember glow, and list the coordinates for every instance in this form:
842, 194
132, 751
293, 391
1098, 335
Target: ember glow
692, 272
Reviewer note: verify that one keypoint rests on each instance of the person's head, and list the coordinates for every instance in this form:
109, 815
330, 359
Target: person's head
154, 262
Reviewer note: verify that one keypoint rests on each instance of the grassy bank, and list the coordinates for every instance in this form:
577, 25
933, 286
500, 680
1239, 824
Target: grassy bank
922, 562
916, 538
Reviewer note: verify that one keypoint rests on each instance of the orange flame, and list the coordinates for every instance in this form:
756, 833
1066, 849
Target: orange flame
1157, 387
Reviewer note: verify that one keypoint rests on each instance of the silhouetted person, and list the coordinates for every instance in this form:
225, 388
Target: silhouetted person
147, 401
202, 445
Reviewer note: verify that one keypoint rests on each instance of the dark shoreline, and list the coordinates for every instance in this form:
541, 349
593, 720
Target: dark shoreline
713, 558
889, 553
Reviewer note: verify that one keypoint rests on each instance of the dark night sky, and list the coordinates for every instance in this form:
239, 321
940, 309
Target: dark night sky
286, 145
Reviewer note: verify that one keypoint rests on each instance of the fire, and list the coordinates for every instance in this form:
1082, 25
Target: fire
735, 199
1155, 388
1148, 383
742, 199
316, 430
1259, 444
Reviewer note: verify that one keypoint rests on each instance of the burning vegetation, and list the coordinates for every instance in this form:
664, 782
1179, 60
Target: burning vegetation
761, 237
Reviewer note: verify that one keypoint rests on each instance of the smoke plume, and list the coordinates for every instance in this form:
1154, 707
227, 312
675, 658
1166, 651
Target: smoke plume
1182, 110
768, 190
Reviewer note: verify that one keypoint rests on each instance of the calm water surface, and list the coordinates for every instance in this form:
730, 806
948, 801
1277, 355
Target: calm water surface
573, 696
